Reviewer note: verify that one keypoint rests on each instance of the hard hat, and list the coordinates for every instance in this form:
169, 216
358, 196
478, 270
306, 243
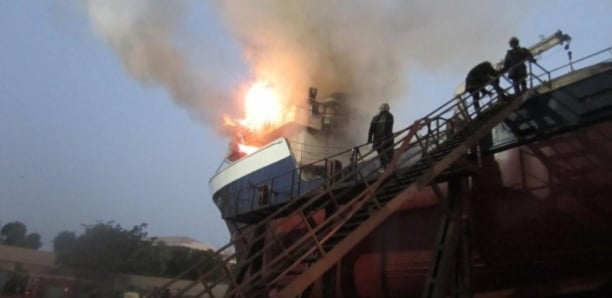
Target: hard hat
384, 107
513, 40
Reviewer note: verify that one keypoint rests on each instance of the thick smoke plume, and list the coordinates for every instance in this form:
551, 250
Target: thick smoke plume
362, 47
146, 36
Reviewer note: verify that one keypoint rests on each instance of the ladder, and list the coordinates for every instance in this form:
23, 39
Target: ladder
350, 205
339, 215
370, 208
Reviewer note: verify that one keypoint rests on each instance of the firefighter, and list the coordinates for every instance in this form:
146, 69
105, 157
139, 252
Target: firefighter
476, 80
381, 134
515, 63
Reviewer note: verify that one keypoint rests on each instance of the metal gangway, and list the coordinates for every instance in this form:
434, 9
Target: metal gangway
353, 202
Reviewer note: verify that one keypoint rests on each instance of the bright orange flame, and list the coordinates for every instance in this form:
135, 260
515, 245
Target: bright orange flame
262, 107
262, 111
246, 148
228, 121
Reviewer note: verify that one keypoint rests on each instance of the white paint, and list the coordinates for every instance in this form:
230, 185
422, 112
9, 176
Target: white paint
267, 155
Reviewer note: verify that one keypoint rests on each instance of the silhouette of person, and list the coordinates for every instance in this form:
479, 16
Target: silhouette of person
476, 80
381, 134
515, 63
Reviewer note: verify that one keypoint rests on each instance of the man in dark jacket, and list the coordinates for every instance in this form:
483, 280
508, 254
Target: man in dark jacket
515, 62
381, 134
476, 80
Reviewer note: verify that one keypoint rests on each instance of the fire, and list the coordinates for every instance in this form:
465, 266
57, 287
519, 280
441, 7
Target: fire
228, 121
238, 149
247, 149
262, 107
263, 110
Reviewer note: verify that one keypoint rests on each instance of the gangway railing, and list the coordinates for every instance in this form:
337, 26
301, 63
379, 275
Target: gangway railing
426, 134
437, 155
424, 150
604, 55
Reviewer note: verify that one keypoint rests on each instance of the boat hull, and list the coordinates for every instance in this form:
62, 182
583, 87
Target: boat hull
532, 223
540, 206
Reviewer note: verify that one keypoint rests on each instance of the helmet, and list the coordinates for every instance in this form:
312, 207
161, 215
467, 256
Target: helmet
513, 40
384, 107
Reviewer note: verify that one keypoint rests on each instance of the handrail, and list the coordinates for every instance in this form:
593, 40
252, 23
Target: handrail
345, 212
423, 148
571, 63
241, 237
429, 131
448, 104
226, 258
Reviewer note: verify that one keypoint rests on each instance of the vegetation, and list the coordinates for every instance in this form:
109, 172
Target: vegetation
16, 283
107, 247
15, 234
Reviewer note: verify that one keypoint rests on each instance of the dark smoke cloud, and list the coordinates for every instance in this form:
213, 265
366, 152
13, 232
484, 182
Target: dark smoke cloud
361, 46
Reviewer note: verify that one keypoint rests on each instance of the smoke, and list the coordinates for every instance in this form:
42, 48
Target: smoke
364, 47
147, 37
358, 46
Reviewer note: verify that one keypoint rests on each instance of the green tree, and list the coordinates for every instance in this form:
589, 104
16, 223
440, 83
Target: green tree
108, 247
33, 241
18, 281
63, 245
15, 234
183, 258
64, 241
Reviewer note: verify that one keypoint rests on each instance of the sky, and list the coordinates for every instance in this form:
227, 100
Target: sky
111, 112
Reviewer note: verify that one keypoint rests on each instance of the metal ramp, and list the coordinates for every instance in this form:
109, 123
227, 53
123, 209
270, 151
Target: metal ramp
568, 103
369, 209
349, 205
347, 208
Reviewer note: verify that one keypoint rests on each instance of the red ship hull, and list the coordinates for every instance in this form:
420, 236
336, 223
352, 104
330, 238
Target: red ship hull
535, 221
536, 211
